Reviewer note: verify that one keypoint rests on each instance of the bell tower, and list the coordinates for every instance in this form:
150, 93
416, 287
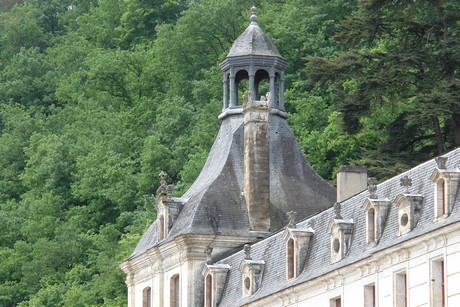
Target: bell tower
253, 57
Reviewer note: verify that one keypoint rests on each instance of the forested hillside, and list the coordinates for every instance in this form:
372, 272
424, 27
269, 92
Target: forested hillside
98, 96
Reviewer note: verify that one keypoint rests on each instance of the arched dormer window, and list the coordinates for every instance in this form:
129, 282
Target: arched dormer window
215, 277
290, 259
446, 183
147, 297
175, 291
297, 246
376, 210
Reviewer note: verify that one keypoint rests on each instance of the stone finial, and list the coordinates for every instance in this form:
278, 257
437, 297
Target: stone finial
441, 162
372, 187
292, 215
208, 252
406, 182
163, 176
253, 18
162, 189
247, 252
263, 98
169, 191
337, 209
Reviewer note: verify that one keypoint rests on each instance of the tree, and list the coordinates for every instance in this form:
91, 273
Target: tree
402, 59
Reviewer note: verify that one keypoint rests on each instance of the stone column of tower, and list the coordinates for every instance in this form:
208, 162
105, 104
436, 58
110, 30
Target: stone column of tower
256, 187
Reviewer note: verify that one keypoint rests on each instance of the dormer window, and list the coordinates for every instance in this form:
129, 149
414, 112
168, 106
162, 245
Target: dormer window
251, 272
446, 182
215, 277
376, 210
341, 231
297, 246
409, 207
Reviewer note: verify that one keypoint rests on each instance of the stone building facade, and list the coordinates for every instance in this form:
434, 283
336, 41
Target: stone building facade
260, 228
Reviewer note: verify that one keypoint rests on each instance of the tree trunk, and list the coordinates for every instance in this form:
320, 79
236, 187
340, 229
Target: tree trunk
456, 129
438, 135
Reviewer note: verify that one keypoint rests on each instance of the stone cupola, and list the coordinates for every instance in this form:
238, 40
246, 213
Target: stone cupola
253, 57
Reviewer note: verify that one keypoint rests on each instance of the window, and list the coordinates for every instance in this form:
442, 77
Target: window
409, 207
147, 297
446, 185
174, 291
336, 302
438, 295
441, 197
208, 291
371, 225
297, 246
400, 289
369, 295
214, 280
290, 259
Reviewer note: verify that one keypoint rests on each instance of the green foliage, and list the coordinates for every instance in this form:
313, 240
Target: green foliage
21, 28
402, 59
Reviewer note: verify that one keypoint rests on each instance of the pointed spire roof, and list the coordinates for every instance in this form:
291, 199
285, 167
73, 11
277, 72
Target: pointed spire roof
253, 41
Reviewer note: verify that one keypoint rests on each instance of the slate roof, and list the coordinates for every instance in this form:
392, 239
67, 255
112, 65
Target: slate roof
214, 205
253, 41
272, 249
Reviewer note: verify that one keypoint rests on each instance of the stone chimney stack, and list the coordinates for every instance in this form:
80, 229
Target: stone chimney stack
256, 188
351, 180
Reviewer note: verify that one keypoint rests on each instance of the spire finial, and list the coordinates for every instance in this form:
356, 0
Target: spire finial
372, 187
441, 161
247, 251
337, 209
253, 15
292, 216
406, 182
208, 253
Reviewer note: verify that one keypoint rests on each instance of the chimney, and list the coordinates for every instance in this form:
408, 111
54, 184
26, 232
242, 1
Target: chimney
351, 180
256, 188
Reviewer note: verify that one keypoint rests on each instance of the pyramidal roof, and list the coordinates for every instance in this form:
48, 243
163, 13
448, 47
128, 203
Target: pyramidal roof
253, 41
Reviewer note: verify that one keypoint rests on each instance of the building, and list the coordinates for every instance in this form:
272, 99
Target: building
260, 228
